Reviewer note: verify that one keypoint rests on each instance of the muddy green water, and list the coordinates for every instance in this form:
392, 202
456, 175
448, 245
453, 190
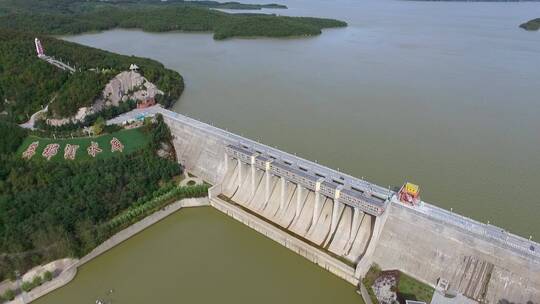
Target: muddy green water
199, 255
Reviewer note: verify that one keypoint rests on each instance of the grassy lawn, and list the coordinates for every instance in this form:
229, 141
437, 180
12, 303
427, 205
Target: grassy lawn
132, 140
408, 287
412, 289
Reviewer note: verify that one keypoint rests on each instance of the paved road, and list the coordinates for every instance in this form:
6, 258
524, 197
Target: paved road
133, 114
30, 123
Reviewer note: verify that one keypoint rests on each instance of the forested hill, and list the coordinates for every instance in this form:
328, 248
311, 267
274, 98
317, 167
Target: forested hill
78, 6
77, 16
28, 83
59, 207
531, 25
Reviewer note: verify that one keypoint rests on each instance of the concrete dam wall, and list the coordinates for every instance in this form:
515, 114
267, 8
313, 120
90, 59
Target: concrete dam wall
345, 224
476, 267
321, 221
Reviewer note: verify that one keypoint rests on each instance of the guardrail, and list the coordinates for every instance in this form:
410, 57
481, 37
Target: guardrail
237, 139
59, 64
511, 241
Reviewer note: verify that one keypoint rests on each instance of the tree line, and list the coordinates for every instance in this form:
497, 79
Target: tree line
174, 16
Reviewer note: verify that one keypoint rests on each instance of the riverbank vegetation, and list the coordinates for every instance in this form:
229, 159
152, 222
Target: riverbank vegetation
27, 83
531, 25
37, 281
145, 206
74, 17
54, 209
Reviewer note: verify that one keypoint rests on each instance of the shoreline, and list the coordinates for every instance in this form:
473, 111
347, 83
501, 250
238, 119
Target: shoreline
70, 272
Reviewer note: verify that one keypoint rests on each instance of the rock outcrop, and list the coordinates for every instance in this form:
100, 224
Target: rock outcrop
123, 87
129, 85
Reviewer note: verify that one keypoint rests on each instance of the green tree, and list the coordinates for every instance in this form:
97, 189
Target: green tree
98, 126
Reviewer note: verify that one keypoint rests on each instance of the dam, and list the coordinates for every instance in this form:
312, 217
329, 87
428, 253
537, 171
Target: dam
345, 224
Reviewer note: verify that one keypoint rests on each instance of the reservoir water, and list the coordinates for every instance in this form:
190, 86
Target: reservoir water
443, 94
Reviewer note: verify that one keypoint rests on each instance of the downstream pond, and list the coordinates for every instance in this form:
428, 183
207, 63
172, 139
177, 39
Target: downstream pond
443, 94
200, 255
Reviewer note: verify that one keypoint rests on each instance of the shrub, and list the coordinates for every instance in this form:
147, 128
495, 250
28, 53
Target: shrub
8, 295
98, 126
37, 281
47, 276
27, 286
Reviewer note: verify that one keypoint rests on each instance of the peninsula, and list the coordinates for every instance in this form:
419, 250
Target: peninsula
28, 85
531, 25
74, 17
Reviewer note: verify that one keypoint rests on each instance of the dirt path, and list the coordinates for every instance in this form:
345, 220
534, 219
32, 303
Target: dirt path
30, 123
